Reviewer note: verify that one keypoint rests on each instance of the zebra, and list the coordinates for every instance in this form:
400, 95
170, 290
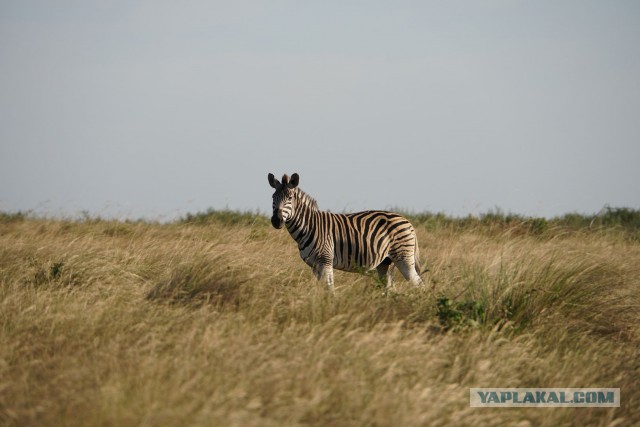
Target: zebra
348, 242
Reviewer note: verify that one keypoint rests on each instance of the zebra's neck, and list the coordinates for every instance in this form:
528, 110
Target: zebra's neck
304, 216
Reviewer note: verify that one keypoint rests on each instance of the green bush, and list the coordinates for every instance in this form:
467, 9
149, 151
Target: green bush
7, 217
457, 315
225, 216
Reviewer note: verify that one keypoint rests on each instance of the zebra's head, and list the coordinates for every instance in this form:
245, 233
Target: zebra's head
283, 198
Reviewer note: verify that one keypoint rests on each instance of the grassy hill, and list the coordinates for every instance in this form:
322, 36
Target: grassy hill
215, 320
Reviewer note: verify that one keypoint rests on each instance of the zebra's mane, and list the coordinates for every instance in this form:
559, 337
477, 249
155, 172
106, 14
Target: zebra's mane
307, 200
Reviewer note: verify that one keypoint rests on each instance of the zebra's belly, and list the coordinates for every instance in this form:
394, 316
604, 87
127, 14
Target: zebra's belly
355, 268
356, 265
312, 257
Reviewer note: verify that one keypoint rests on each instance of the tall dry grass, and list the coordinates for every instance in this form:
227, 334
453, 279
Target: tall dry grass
220, 323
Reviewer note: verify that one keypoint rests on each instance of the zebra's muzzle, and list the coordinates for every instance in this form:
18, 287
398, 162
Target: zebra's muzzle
277, 222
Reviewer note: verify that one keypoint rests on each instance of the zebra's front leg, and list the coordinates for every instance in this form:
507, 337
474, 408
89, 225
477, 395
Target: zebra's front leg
324, 272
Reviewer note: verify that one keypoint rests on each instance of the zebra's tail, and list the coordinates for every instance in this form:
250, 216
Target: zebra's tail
416, 254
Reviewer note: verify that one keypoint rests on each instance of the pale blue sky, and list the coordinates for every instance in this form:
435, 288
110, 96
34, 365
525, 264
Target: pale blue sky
157, 108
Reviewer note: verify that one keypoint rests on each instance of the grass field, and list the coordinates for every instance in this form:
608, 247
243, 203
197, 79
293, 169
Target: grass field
215, 321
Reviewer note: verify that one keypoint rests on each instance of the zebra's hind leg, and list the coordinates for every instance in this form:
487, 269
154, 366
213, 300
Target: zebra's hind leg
385, 273
407, 267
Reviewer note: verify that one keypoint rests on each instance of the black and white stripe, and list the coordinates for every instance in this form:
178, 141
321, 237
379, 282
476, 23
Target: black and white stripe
349, 242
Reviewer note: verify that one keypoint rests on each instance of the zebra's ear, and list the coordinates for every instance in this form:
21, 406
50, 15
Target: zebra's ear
295, 179
273, 182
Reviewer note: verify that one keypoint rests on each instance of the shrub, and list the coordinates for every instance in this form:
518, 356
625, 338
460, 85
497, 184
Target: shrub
225, 216
456, 315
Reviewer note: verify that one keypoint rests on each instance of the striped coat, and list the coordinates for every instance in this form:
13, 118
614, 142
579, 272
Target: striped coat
350, 242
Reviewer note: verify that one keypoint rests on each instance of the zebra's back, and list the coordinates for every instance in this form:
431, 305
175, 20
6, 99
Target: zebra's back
363, 240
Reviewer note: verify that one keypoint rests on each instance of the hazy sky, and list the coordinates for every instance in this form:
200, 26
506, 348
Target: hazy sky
157, 108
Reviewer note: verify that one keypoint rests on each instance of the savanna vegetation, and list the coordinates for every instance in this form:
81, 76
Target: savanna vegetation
214, 320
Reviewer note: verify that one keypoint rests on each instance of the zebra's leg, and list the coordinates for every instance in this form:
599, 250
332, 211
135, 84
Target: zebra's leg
408, 269
328, 276
385, 272
392, 269
324, 272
